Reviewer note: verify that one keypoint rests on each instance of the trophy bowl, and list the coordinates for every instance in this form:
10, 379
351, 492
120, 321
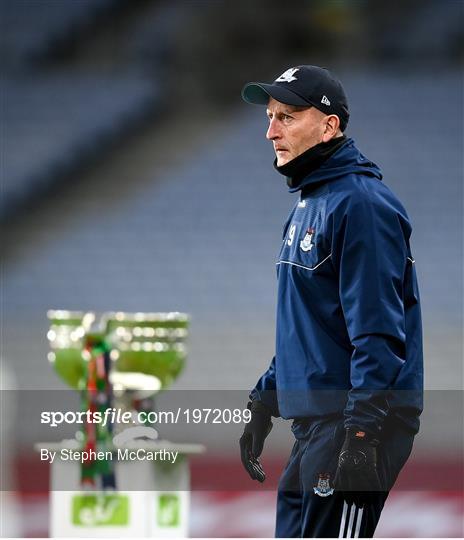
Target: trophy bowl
149, 343
152, 344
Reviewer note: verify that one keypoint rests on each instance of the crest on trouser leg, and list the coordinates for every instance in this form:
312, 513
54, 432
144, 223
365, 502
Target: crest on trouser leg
323, 488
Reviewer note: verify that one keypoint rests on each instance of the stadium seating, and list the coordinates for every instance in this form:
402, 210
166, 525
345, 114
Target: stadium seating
22, 40
55, 123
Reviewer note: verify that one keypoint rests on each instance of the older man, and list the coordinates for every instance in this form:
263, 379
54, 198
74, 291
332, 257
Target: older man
348, 362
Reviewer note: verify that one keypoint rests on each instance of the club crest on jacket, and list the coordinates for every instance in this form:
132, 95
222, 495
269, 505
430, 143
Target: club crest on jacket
306, 244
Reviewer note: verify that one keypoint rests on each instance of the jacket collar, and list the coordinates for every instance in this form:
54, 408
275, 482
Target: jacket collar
345, 160
309, 161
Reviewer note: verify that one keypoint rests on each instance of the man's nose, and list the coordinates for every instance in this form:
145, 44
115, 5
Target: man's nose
273, 131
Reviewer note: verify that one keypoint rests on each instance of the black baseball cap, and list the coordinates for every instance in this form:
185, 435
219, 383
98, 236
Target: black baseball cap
303, 86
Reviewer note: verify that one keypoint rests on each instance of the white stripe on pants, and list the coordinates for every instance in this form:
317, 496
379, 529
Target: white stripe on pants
351, 522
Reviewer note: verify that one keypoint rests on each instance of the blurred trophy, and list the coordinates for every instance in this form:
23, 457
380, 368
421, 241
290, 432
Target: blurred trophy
141, 344
119, 362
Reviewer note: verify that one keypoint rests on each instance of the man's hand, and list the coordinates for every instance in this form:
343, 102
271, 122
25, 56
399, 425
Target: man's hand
356, 475
252, 440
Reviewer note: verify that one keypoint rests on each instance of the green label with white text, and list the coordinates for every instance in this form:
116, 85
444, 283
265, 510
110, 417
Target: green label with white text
100, 510
168, 514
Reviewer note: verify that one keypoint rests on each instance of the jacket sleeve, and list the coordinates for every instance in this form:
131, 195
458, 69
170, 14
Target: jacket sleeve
369, 251
265, 389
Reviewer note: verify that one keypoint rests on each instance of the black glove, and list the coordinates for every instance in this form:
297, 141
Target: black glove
252, 440
356, 475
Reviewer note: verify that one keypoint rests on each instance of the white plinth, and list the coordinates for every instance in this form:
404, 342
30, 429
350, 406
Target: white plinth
152, 499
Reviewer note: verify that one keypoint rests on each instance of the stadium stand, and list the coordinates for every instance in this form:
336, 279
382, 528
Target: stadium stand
155, 35
68, 119
422, 32
22, 40
57, 118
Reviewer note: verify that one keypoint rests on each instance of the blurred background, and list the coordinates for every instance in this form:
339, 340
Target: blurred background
134, 178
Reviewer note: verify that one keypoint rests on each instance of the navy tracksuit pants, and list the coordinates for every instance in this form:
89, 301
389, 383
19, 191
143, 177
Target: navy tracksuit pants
308, 507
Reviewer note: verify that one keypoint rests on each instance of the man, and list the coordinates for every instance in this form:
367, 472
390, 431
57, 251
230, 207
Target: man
348, 360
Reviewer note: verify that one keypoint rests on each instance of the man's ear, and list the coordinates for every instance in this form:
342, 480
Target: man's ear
332, 125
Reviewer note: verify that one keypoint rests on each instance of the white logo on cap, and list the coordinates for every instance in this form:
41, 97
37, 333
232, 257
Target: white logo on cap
325, 100
287, 76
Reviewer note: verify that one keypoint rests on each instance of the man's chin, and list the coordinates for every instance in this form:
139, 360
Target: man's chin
283, 160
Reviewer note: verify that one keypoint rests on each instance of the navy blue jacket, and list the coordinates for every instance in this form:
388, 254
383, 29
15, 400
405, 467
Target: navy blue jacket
349, 332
